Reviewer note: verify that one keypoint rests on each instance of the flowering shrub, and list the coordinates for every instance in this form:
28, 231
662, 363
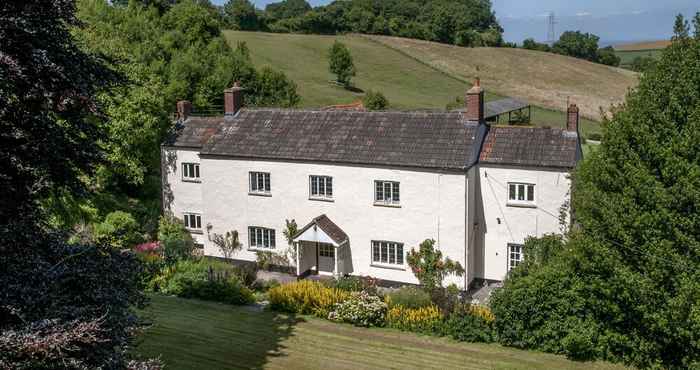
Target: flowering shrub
470, 323
305, 297
361, 309
408, 297
426, 320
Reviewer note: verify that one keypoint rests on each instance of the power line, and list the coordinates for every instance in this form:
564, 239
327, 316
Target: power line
551, 33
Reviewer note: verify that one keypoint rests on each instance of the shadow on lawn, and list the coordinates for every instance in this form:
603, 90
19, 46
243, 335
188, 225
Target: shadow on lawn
272, 333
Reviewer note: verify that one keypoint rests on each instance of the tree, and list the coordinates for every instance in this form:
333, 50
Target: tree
643, 63
340, 63
119, 230
241, 15
608, 57
287, 9
681, 29
375, 100
290, 230
578, 45
531, 44
228, 243
626, 285
429, 267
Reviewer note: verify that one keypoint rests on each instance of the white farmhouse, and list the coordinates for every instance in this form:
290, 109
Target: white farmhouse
366, 187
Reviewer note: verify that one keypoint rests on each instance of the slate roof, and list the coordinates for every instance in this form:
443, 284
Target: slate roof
530, 146
415, 139
329, 227
497, 107
443, 140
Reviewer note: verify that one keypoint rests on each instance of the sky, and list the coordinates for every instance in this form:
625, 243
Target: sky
613, 20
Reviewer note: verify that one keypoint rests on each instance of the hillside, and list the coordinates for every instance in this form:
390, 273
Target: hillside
544, 79
647, 45
407, 81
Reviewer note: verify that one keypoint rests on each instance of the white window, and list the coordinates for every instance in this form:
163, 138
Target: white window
321, 187
190, 171
515, 255
193, 221
260, 182
386, 192
261, 237
387, 253
521, 193
326, 250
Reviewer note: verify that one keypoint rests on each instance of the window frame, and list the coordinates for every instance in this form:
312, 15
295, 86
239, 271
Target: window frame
520, 253
186, 173
327, 184
326, 250
253, 186
394, 189
525, 190
187, 220
265, 234
384, 256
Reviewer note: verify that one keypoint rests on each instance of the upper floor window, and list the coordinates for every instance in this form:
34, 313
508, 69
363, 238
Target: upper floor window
190, 171
193, 221
515, 255
260, 237
387, 253
321, 187
386, 192
260, 182
521, 193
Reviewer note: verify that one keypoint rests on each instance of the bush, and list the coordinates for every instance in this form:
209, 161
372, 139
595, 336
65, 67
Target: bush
427, 320
151, 259
375, 100
470, 323
408, 297
306, 297
176, 241
207, 280
355, 284
360, 309
247, 273
118, 230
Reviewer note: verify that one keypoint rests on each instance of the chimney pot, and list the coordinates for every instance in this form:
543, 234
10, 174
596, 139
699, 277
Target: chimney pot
475, 102
233, 99
572, 118
184, 109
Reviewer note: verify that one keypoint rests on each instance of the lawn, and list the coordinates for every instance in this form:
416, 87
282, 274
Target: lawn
191, 334
408, 82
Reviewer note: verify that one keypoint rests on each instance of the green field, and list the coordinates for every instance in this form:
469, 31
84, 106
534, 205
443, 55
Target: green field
407, 82
627, 56
191, 334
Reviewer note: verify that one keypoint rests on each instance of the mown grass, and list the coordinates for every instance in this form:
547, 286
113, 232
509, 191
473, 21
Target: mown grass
627, 56
408, 83
191, 334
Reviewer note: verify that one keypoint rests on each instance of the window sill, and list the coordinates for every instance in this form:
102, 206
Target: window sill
388, 267
389, 205
320, 199
196, 181
260, 194
196, 231
521, 204
253, 249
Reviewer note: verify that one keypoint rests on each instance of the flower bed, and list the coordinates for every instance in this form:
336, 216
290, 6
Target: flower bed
306, 297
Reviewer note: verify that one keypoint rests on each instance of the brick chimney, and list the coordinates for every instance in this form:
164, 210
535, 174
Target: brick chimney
184, 109
475, 102
572, 118
233, 99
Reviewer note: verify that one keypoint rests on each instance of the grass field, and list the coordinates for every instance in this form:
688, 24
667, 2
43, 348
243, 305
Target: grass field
407, 82
645, 45
190, 334
627, 56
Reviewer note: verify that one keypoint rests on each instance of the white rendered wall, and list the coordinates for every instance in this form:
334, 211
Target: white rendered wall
187, 195
516, 223
432, 206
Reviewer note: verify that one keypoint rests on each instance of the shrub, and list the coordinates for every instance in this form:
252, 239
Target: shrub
470, 323
375, 100
427, 320
408, 297
207, 280
361, 309
429, 267
355, 284
176, 241
151, 259
247, 273
305, 297
118, 230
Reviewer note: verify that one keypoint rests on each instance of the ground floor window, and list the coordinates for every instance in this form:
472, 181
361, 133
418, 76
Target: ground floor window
387, 253
260, 237
326, 250
515, 255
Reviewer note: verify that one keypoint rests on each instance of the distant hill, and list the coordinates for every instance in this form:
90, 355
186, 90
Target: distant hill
646, 45
416, 74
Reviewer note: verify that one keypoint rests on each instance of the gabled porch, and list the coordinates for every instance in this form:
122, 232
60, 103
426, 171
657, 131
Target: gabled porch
322, 248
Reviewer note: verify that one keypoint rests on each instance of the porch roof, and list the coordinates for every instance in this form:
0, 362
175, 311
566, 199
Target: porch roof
321, 229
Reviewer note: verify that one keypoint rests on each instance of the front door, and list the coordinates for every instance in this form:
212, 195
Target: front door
326, 259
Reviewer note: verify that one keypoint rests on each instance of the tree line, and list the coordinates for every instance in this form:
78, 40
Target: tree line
458, 22
578, 45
